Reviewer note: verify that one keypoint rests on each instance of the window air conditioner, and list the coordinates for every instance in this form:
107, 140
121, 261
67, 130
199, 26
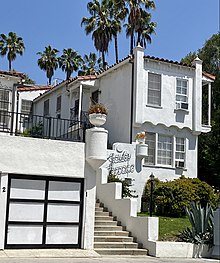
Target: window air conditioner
182, 106
179, 164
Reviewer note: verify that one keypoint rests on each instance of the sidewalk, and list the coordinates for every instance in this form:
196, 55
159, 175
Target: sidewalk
83, 256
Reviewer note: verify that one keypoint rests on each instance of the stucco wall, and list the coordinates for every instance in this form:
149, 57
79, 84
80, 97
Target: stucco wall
52, 96
116, 92
41, 157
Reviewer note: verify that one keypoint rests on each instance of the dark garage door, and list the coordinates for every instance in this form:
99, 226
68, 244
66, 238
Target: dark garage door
44, 212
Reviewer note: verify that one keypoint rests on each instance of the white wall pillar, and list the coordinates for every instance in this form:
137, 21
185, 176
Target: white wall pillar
96, 146
3, 205
138, 85
197, 97
209, 103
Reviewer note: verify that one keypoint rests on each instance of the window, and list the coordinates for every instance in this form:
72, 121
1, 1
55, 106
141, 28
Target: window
26, 106
180, 152
76, 108
154, 89
182, 90
150, 141
59, 103
46, 107
95, 96
4, 100
164, 151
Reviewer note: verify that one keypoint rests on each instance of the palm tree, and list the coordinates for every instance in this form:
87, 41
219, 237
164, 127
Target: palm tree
134, 17
118, 12
144, 29
11, 46
70, 61
91, 64
99, 24
48, 61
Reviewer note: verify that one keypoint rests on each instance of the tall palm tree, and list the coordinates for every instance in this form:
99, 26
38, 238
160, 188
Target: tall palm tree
70, 61
11, 46
48, 61
99, 25
135, 15
118, 12
144, 29
91, 64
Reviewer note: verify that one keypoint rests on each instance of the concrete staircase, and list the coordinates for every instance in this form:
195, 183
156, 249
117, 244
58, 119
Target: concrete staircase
110, 238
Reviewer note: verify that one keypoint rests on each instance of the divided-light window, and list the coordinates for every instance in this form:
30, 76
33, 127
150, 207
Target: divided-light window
161, 150
154, 89
46, 107
4, 100
26, 106
182, 90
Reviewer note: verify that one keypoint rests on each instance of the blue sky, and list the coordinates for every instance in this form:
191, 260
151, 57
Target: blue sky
182, 26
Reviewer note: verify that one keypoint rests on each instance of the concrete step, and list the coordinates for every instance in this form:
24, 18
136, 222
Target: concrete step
108, 228
105, 223
100, 209
130, 245
121, 251
101, 213
104, 218
111, 233
113, 239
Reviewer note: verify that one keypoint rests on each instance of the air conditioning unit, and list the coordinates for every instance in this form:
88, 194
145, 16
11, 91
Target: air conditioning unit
179, 164
182, 106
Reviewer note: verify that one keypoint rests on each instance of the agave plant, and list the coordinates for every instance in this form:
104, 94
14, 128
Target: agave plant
201, 219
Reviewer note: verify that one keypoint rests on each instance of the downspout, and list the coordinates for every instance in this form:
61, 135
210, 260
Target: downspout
132, 100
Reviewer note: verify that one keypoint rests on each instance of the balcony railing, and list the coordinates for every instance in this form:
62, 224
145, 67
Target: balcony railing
29, 125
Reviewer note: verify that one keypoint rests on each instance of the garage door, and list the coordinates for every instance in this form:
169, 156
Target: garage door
44, 212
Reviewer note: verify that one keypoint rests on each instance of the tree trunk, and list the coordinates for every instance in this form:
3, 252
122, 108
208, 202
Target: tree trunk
116, 48
9, 65
50, 78
103, 60
132, 43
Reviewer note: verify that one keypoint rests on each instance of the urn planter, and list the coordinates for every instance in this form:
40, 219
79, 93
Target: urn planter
141, 150
97, 119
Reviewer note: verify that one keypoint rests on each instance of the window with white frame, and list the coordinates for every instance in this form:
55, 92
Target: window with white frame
150, 141
164, 150
4, 100
46, 107
180, 152
26, 106
161, 150
181, 91
154, 89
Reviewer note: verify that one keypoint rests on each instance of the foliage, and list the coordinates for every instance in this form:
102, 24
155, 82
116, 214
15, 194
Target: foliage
201, 219
11, 46
209, 143
70, 61
126, 192
99, 25
171, 198
90, 65
48, 61
98, 108
28, 80
35, 131
139, 22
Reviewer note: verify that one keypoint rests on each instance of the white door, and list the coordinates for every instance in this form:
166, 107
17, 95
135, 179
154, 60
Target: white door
44, 212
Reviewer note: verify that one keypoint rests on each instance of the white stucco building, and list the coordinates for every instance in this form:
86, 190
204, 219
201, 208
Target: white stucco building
16, 98
143, 93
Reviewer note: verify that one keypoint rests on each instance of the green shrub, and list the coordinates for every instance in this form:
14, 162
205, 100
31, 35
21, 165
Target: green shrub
171, 198
126, 191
